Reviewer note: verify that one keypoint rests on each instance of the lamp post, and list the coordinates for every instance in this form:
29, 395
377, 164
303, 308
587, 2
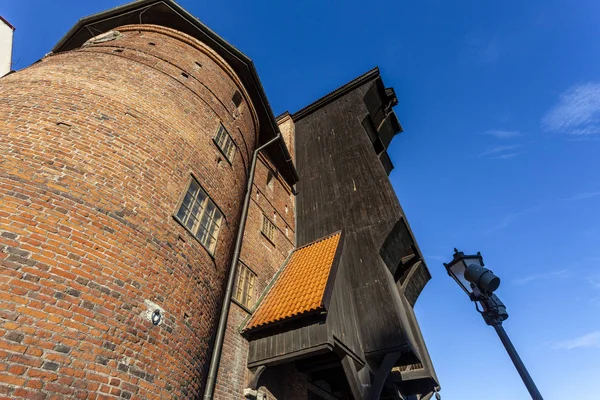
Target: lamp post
479, 283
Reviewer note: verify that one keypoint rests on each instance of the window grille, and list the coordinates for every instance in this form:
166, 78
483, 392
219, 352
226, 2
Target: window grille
268, 228
225, 142
244, 290
199, 214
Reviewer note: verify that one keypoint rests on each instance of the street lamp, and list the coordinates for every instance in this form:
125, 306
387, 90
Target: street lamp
479, 283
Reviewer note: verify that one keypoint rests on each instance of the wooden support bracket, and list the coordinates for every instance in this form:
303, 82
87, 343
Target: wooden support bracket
385, 367
352, 377
256, 373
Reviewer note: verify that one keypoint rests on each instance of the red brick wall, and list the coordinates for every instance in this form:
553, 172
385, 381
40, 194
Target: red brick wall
263, 257
96, 149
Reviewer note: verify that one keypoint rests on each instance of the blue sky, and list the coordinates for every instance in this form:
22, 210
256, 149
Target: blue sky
500, 104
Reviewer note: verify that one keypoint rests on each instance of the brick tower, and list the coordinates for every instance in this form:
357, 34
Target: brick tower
124, 161
157, 241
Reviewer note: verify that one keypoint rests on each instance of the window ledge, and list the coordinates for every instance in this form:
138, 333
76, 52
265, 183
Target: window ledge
268, 239
223, 153
243, 307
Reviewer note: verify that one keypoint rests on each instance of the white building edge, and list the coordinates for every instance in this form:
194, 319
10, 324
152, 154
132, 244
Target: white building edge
6, 44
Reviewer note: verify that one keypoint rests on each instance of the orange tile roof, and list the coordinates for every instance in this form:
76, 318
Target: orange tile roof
300, 286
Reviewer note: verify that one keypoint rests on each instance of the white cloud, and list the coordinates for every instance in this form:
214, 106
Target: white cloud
594, 280
577, 111
590, 340
502, 134
510, 218
582, 196
500, 151
506, 156
563, 273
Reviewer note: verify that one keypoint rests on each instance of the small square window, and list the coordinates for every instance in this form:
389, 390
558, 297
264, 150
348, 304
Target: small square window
270, 180
244, 289
200, 216
237, 99
268, 228
225, 143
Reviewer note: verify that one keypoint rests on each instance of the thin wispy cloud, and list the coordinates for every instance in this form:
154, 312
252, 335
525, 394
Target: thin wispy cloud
505, 156
500, 151
511, 218
502, 134
563, 273
577, 111
484, 48
594, 280
583, 139
582, 196
590, 340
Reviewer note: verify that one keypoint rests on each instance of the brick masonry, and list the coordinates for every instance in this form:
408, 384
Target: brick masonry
97, 147
263, 257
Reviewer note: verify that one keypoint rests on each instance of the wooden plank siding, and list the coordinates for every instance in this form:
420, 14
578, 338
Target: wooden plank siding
288, 345
343, 185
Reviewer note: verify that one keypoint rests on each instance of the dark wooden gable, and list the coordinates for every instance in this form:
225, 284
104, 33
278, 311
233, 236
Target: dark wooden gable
343, 165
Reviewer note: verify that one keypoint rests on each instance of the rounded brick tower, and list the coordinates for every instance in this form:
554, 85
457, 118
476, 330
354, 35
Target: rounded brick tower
109, 288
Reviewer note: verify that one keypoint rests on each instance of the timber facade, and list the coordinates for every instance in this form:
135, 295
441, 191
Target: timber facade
133, 158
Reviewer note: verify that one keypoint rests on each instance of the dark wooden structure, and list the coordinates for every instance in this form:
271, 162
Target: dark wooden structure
367, 343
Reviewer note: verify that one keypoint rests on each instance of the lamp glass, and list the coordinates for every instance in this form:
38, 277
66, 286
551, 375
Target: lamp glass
458, 272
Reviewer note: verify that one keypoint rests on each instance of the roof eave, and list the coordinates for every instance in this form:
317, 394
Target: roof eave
7, 23
337, 93
291, 175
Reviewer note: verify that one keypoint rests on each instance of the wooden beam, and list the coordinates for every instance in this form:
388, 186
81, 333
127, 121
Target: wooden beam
385, 367
427, 396
256, 373
297, 355
352, 377
315, 389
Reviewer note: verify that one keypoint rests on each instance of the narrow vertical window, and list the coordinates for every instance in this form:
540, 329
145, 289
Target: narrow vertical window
225, 143
268, 229
237, 99
244, 291
199, 214
270, 180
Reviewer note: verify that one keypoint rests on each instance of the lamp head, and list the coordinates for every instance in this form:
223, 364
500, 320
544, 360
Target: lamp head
468, 272
483, 278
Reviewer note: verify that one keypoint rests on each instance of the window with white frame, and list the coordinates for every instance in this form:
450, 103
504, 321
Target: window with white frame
243, 291
199, 214
268, 228
225, 142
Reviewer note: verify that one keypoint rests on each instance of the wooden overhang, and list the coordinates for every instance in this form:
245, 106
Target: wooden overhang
169, 14
290, 323
381, 125
401, 254
419, 378
304, 286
